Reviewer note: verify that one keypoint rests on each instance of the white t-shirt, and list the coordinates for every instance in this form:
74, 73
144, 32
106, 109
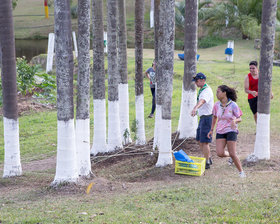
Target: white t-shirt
207, 107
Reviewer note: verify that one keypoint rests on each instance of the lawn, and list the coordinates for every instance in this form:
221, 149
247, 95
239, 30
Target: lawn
132, 190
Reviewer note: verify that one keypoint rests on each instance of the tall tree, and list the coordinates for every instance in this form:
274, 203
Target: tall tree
188, 124
165, 63
82, 114
12, 165
122, 69
262, 143
139, 96
66, 168
158, 93
114, 134
99, 103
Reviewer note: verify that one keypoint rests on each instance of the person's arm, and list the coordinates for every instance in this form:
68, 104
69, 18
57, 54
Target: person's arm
147, 74
235, 121
210, 134
198, 105
246, 87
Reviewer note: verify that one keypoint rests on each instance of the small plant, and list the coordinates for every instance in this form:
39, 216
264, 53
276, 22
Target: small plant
45, 87
25, 76
126, 135
133, 128
211, 41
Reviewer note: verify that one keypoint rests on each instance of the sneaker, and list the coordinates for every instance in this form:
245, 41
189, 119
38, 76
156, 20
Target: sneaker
207, 166
151, 116
230, 161
242, 174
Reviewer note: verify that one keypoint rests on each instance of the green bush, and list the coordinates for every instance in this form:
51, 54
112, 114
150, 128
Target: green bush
25, 76
211, 41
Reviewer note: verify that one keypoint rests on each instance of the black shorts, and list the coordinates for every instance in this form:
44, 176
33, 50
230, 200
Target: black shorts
230, 136
253, 104
203, 129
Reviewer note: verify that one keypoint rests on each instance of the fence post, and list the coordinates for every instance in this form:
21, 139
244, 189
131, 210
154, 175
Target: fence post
230, 44
50, 52
75, 44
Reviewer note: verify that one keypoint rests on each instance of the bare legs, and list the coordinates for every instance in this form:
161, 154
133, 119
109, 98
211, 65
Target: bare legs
231, 145
205, 149
255, 117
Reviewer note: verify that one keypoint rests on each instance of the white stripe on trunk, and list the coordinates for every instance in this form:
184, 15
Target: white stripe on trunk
262, 142
140, 123
165, 151
114, 134
66, 165
124, 113
99, 135
158, 119
12, 165
187, 124
83, 147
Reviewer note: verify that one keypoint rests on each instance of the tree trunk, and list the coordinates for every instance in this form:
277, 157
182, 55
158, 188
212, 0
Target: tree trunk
66, 168
114, 134
166, 60
99, 103
12, 165
158, 94
262, 143
139, 97
82, 115
122, 69
188, 124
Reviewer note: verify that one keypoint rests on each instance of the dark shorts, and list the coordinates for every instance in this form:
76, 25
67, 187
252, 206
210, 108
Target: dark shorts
203, 129
230, 136
253, 104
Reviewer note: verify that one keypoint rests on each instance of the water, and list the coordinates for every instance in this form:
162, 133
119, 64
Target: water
31, 48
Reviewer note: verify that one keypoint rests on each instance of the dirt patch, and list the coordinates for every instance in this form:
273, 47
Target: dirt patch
28, 104
131, 168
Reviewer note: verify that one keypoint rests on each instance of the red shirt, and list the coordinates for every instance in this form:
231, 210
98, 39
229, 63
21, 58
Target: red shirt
253, 85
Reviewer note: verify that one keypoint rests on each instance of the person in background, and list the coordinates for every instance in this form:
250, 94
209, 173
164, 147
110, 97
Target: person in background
251, 87
151, 73
203, 108
228, 114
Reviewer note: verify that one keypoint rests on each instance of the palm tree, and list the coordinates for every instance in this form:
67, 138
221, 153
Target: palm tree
114, 134
66, 169
262, 143
12, 165
188, 124
139, 96
122, 69
165, 63
82, 114
158, 93
99, 138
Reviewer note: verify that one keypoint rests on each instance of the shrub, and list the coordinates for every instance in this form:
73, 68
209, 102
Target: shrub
211, 41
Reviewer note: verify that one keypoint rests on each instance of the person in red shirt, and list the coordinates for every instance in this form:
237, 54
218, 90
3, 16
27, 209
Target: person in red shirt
251, 87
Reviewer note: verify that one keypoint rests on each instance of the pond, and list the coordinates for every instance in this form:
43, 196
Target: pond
31, 48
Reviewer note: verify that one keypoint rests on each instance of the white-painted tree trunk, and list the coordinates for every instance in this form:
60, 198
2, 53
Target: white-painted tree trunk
114, 133
165, 150
158, 119
262, 142
140, 123
75, 44
66, 165
105, 43
50, 55
12, 165
83, 147
187, 124
124, 113
152, 14
230, 45
99, 135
